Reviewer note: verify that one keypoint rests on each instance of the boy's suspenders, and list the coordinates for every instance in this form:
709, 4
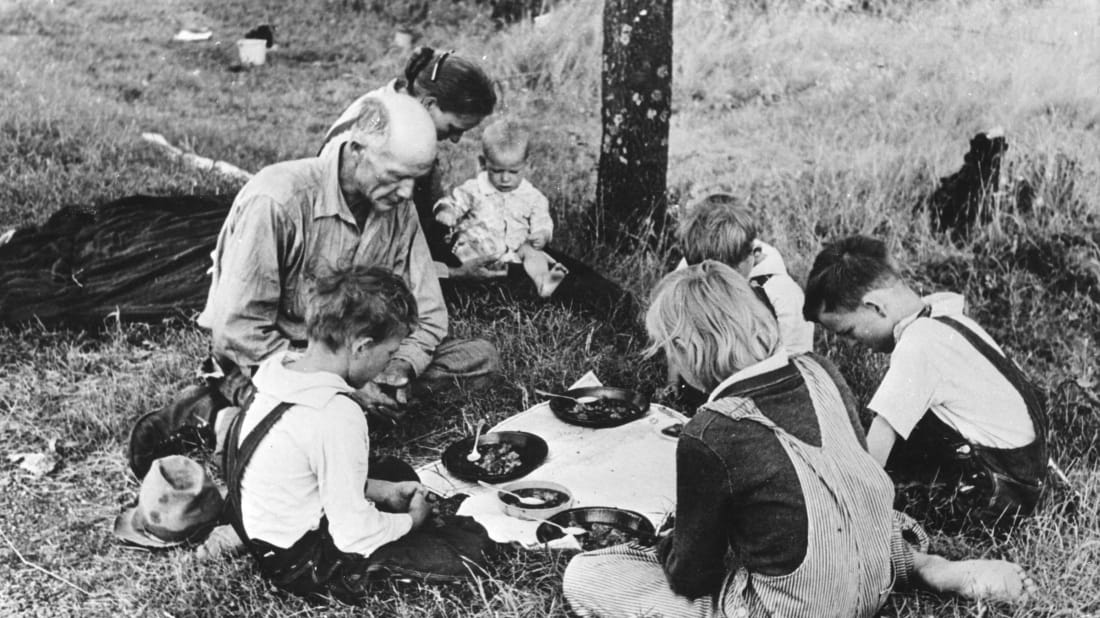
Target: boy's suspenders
1010, 371
236, 462
758, 289
1025, 467
237, 459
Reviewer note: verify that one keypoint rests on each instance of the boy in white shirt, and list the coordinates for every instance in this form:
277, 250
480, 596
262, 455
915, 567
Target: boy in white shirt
499, 213
297, 457
950, 392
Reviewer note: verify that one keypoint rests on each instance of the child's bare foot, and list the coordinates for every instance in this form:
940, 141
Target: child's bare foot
986, 580
553, 277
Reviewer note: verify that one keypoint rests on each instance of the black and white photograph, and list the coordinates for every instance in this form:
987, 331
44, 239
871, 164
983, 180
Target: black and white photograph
550, 308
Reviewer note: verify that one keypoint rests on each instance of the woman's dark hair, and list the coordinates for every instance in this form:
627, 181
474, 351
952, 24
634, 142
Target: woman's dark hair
458, 85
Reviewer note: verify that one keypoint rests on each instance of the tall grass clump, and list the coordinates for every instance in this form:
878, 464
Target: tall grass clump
561, 54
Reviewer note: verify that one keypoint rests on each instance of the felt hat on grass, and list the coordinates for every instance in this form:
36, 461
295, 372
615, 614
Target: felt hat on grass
178, 503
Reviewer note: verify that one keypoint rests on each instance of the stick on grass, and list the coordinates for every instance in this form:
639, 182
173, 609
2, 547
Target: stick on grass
19, 555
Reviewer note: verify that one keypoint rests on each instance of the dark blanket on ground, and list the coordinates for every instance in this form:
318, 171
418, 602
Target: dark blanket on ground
142, 256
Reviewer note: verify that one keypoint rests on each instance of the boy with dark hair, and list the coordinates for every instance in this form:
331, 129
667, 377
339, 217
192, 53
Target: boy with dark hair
297, 458
950, 392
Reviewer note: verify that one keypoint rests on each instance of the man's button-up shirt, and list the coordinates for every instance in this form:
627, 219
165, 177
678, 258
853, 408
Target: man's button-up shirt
286, 224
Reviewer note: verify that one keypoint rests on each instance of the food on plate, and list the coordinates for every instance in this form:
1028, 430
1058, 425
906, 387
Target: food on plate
498, 459
548, 498
501, 456
604, 526
602, 410
605, 535
599, 406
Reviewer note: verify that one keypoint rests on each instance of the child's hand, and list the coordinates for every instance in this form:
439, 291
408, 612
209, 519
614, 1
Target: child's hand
391, 496
394, 380
445, 217
419, 507
380, 407
400, 495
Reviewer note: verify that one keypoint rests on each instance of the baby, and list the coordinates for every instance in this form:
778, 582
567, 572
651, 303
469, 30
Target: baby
499, 214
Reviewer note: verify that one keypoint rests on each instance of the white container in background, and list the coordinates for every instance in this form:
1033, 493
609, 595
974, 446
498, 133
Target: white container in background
253, 52
402, 39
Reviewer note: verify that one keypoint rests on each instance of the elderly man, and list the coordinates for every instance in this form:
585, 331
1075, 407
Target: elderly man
294, 219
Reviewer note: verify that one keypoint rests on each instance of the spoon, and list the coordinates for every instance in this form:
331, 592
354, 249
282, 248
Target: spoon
570, 530
474, 455
528, 501
584, 399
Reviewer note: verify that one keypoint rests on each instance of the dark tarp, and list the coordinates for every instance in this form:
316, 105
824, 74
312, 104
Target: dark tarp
146, 257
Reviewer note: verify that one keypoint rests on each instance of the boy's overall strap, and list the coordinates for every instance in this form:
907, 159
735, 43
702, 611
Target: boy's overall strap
758, 289
736, 408
237, 459
1009, 370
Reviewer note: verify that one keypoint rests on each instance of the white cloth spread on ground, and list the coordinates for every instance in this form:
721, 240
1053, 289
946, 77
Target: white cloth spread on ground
632, 466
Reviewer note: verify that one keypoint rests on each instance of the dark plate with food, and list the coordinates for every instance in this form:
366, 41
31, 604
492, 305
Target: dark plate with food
599, 406
505, 455
606, 526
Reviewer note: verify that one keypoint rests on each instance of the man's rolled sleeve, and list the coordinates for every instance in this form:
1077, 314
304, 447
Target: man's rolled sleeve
418, 348
244, 304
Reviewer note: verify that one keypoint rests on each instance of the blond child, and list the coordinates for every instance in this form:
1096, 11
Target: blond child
806, 527
499, 214
720, 227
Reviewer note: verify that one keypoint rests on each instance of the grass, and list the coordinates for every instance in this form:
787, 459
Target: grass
833, 121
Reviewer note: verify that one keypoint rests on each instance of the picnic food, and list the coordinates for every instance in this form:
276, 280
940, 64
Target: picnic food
605, 535
538, 499
599, 406
498, 459
501, 456
602, 410
548, 498
605, 526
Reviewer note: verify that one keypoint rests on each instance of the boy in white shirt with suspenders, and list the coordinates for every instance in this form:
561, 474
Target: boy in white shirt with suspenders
297, 457
950, 394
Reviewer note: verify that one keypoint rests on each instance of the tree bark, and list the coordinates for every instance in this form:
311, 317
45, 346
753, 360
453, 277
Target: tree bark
636, 103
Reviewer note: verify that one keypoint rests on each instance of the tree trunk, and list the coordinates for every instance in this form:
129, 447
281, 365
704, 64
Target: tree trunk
636, 94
